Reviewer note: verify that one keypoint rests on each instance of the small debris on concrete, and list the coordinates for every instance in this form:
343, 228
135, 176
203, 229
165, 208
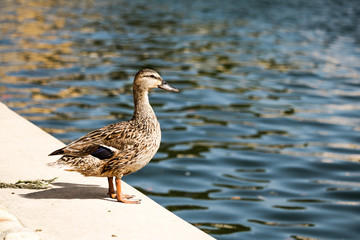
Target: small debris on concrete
29, 184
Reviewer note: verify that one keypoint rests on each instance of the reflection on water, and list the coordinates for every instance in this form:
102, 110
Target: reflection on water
262, 141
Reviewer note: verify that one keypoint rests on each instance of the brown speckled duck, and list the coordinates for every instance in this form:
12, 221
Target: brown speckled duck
120, 148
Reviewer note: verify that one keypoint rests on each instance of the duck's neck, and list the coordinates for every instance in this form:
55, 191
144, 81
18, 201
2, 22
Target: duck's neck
143, 109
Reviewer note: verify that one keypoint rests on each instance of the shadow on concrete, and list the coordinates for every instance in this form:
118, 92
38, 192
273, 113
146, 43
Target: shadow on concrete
69, 191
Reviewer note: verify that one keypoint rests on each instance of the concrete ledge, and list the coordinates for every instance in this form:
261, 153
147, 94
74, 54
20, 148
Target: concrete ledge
75, 207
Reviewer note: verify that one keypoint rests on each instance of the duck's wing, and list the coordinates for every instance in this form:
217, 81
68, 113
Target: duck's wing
102, 143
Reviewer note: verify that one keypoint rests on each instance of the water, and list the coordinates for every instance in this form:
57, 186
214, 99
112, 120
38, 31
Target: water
263, 140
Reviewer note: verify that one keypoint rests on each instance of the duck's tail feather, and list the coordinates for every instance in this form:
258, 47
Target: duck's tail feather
58, 152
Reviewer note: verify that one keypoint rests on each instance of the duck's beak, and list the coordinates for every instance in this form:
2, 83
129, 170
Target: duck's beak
164, 85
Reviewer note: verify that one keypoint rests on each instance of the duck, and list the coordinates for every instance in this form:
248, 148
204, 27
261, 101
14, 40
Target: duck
121, 148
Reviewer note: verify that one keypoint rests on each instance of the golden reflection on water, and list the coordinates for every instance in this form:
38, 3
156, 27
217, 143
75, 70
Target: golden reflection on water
37, 46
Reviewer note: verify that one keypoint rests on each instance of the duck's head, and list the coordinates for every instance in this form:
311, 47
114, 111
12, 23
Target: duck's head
147, 79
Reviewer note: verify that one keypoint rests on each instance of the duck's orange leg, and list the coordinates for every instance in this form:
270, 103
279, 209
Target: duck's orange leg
123, 197
111, 191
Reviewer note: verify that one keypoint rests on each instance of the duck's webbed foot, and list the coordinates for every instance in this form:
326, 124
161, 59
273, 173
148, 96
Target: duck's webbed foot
126, 199
111, 191
118, 195
112, 195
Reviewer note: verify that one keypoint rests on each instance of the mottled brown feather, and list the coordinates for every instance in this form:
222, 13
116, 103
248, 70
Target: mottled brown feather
133, 143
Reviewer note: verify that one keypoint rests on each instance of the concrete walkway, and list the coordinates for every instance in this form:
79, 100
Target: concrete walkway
75, 207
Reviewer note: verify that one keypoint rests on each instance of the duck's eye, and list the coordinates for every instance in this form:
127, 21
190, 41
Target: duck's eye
152, 76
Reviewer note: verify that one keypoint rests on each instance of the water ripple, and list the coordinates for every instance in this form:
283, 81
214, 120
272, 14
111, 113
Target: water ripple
262, 140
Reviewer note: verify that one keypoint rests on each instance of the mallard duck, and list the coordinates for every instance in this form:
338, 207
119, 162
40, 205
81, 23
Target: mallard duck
120, 148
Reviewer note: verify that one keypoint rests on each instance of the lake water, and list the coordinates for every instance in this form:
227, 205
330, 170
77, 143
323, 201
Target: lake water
262, 142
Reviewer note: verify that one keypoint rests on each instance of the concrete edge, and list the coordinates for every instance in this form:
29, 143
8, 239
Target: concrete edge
74, 200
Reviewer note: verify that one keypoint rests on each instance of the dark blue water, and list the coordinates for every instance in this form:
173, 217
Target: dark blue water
263, 140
